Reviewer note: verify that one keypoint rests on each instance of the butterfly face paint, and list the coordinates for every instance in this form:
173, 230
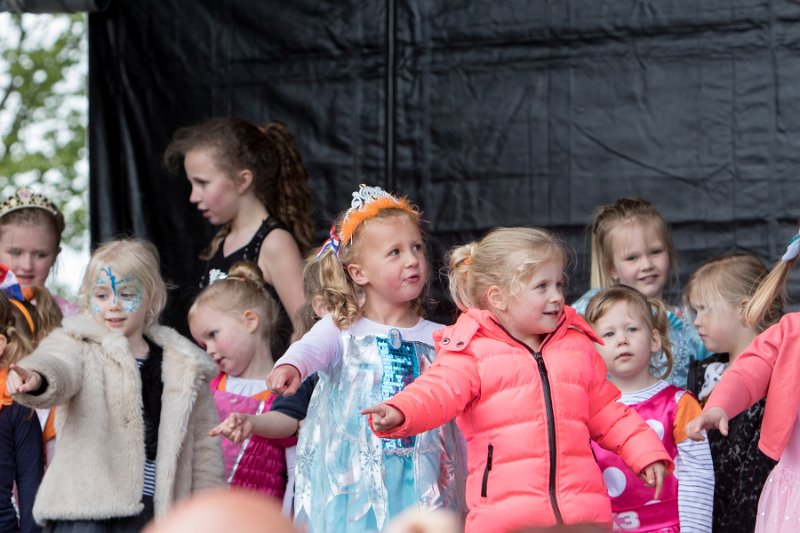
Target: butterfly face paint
116, 301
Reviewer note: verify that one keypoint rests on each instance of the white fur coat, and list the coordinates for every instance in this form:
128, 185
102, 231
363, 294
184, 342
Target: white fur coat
98, 468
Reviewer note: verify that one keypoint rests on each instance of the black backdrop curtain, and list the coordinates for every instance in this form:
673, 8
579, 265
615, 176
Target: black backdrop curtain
509, 112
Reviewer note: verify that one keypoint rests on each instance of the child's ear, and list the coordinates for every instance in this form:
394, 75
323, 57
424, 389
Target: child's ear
741, 312
496, 297
357, 274
3, 343
655, 341
244, 180
251, 320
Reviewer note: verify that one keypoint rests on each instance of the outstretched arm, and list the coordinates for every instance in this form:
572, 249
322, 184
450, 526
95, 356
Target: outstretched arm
271, 425
384, 417
319, 349
22, 381
436, 397
51, 375
711, 418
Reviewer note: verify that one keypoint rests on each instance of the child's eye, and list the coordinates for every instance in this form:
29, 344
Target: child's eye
101, 296
607, 334
212, 334
657, 251
127, 295
395, 252
632, 258
417, 247
15, 252
632, 329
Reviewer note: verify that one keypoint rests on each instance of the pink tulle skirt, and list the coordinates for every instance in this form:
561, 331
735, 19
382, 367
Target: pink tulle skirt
779, 505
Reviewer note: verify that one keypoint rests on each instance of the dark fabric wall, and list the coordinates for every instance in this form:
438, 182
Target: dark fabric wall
510, 112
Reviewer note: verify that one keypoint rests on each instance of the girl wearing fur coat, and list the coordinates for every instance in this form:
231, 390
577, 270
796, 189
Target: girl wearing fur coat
133, 402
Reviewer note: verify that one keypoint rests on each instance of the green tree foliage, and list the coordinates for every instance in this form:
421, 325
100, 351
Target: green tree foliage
43, 112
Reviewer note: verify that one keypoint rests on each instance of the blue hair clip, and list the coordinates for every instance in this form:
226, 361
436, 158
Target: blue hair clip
792, 249
332, 243
9, 285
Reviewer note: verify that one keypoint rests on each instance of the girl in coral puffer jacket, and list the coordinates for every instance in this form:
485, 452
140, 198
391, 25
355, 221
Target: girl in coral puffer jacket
520, 371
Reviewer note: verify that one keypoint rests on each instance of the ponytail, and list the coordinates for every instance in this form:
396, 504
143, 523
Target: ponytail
287, 195
339, 293
772, 288
47, 313
661, 324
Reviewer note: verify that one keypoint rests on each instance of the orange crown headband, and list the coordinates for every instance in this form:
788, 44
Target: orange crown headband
367, 203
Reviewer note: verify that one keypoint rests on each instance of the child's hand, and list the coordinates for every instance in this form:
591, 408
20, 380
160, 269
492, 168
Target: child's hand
284, 380
653, 475
237, 427
20, 381
384, 417
713, 418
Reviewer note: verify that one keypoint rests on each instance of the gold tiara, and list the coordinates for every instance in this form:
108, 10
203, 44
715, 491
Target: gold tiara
25, 198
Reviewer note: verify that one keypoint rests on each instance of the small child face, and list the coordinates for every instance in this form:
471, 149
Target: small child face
230, 340
117, 301
535, 310
639, 258
390, 264
213, 192
629, 342
719, 324
29, 250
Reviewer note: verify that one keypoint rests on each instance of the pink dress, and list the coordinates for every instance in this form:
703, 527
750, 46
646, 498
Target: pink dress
779, 506
632, 505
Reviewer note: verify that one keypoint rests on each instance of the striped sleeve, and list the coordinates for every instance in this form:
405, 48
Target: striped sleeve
695, 472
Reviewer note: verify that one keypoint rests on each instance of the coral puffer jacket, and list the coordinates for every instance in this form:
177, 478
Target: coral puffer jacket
528, 418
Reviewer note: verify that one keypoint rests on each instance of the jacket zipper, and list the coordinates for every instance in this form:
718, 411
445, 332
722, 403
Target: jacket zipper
485, 484
548, 403
551, 432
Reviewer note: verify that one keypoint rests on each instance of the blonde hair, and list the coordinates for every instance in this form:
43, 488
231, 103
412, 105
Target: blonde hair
341, 294
313, 286
772, 288
651, 310
244, 289
635, 211
133, 256
19, 345
504, 257
732, 279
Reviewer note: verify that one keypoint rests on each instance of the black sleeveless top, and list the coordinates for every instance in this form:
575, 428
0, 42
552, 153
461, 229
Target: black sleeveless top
217, 267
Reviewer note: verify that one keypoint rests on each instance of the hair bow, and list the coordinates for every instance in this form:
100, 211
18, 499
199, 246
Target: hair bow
792, 249
9, 284
332, 243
